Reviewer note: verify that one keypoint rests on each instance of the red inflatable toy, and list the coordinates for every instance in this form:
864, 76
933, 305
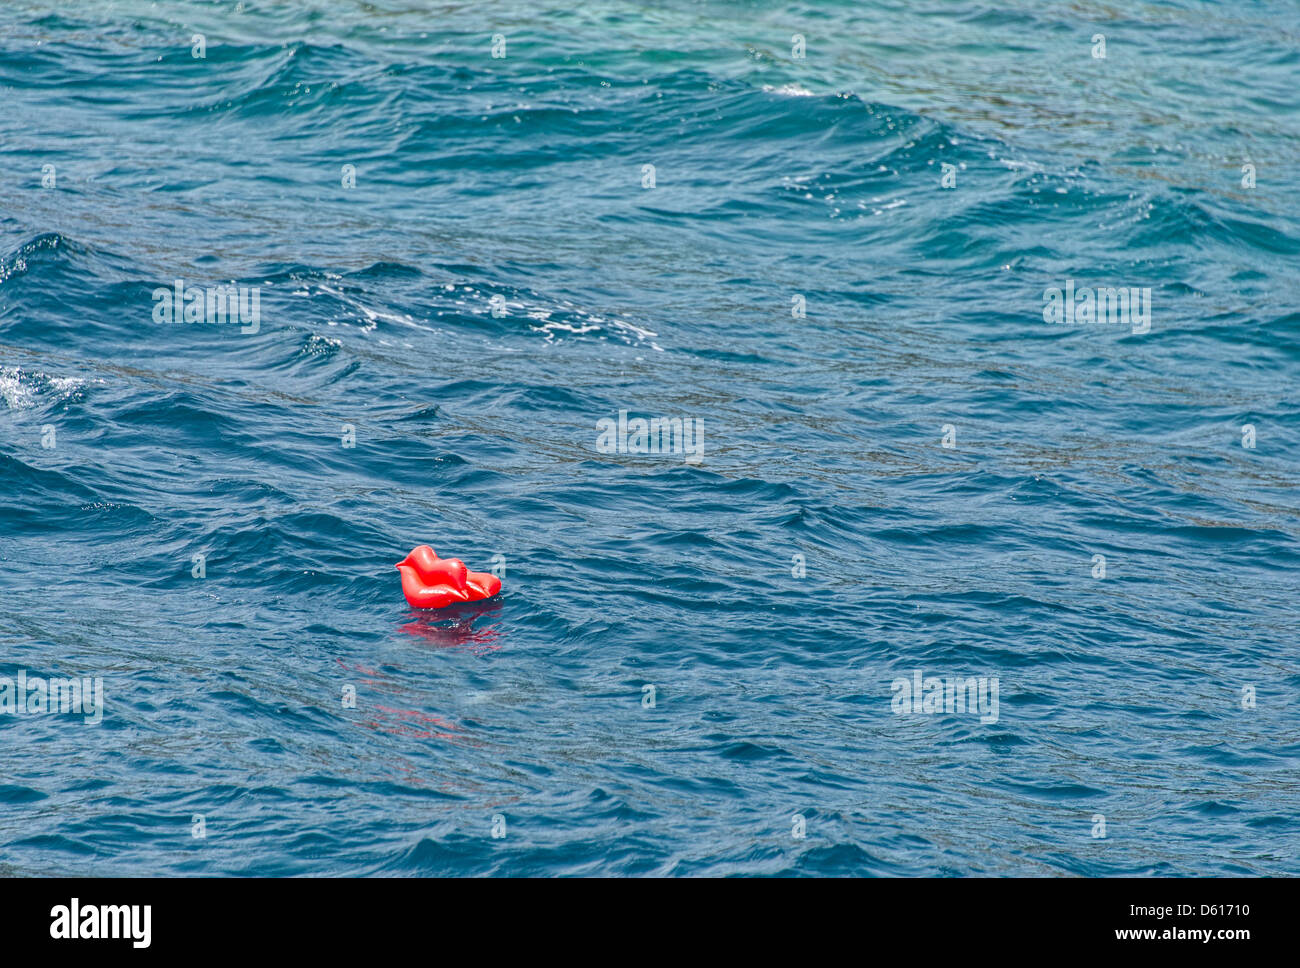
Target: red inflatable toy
432, 582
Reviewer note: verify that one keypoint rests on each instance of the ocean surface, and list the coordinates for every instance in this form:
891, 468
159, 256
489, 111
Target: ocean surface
836, 267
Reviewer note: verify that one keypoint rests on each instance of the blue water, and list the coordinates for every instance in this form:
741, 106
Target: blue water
129, 446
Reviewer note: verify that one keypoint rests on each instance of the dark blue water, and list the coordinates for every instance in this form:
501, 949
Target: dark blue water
1161, 697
